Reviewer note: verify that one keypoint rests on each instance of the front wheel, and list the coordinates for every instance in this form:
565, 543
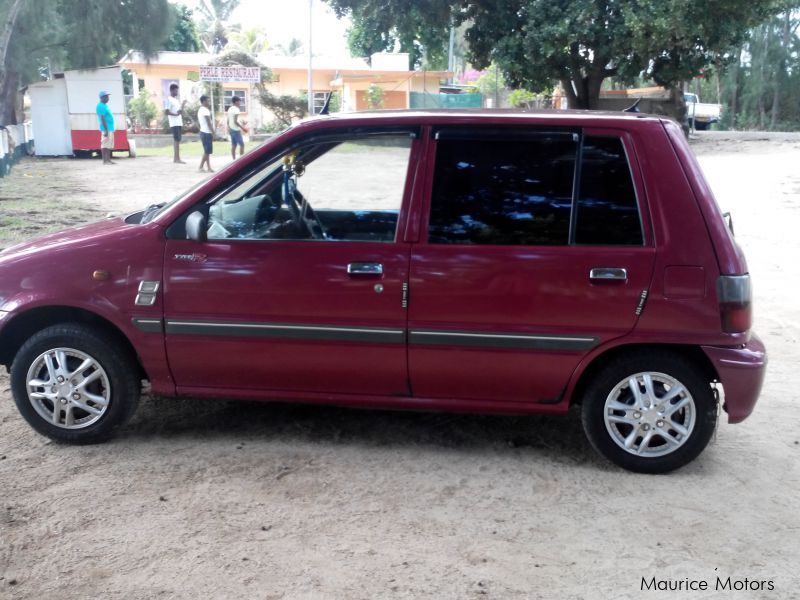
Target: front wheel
652, 412
74, 384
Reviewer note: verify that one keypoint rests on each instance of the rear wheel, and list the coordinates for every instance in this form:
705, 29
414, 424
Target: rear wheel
74, 384
652, 412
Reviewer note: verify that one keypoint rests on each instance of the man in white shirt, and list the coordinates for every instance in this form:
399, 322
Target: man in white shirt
206, 133
235, 127
174, 112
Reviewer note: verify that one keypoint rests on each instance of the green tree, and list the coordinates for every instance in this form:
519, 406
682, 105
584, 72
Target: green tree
286, 108
760, 88
184, 36
48, 35
491, 81
527, 99
143, 109
293, 48
419, 27
582, 42
375, 96
213, 22
577, 42
251, 41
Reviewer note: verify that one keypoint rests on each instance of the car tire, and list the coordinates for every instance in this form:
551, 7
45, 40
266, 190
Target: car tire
83, 400
649, 412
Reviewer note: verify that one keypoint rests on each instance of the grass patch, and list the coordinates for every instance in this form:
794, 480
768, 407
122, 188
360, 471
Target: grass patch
191, 149
37, 198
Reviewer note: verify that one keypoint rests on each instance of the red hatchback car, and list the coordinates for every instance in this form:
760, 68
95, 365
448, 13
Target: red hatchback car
460, 261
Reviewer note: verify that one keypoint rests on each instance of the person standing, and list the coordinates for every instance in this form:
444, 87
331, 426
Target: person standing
105, 122
235, 127
174, 116
206, 133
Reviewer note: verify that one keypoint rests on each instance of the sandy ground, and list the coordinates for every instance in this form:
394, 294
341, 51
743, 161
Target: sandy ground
200, 499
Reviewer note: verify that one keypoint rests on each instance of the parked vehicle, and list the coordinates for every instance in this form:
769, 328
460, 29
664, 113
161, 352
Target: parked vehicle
701, 115
459, 261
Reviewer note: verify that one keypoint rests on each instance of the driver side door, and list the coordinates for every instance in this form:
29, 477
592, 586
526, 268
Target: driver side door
267, 303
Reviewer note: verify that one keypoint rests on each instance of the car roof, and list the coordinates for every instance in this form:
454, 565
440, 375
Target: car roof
477, 116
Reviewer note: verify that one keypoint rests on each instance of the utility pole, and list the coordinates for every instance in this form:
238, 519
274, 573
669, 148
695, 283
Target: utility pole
496, 90
451, 61
310, 61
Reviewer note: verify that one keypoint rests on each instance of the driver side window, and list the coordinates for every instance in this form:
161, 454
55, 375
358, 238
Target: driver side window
333, 191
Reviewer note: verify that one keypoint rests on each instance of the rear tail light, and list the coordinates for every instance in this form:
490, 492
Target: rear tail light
734, 295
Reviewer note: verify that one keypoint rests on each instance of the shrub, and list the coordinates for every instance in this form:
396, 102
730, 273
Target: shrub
142, 109
375, 96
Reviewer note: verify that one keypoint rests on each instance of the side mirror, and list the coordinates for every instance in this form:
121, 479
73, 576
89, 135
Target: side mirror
196, 227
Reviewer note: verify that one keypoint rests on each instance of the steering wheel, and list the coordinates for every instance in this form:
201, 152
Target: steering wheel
304, 216
310, 218
288, 196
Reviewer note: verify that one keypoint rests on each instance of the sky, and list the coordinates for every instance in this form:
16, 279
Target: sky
284, 19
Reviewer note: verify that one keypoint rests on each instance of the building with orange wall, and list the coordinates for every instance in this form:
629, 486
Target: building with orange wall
350, 77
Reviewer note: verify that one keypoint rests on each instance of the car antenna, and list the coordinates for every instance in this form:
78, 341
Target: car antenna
633, 107
327, 105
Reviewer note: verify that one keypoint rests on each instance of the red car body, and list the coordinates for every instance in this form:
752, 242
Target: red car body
544, 323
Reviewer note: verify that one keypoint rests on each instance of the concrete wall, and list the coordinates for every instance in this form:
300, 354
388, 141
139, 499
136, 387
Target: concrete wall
654, 106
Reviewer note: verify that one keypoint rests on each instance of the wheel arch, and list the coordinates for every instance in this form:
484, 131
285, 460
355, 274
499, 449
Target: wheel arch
585, 372
24, 325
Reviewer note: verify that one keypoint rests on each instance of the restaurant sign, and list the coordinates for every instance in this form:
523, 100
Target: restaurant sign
233, 73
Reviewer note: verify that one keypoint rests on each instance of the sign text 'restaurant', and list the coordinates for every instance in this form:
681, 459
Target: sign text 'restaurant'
249, 74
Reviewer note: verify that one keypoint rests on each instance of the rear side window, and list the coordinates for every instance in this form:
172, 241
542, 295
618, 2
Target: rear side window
607, 210
503, 191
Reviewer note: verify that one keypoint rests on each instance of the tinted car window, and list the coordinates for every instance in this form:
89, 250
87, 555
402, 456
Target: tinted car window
504, 192
607, 209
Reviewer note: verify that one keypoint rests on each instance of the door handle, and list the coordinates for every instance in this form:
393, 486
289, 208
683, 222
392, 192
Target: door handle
364, 268
608, 274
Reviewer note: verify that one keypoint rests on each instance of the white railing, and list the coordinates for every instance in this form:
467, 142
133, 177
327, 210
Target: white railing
15, 142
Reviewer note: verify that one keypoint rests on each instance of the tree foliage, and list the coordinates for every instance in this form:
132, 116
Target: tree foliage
375, 95
142, 108
286, 108
251, 41
52, 35
760, 87
581, 42
419, 27
293, 48
184, 36
576, 42
526, 99
97, 33
214, 16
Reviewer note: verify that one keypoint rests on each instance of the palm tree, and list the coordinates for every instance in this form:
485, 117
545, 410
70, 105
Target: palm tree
214, 15
250, 41
293, 48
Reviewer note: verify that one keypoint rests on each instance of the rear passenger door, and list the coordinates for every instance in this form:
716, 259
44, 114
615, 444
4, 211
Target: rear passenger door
536, 250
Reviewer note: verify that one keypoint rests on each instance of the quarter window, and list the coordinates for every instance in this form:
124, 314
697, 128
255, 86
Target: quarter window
503, 191
607, 210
